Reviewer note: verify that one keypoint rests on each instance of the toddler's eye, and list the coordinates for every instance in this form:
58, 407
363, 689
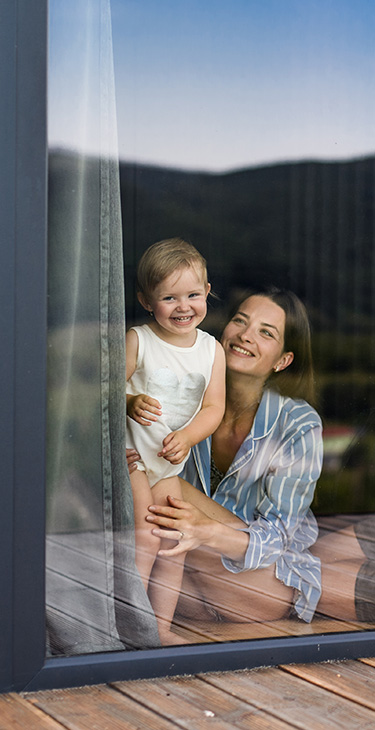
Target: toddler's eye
167, 299
194, 294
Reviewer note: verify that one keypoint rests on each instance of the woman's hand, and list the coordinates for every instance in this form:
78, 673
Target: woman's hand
176, 447
143, 409
132, 457
184, 522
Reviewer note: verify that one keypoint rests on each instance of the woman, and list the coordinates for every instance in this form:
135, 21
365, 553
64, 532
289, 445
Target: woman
247, 530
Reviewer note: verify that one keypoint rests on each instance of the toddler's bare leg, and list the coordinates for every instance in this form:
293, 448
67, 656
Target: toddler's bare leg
166, 576
146, 544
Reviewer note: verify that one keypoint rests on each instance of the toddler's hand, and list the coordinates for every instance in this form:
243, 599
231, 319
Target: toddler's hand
143, 409
175, 447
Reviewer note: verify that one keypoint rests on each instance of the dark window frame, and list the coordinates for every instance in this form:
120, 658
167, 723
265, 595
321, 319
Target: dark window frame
23, 271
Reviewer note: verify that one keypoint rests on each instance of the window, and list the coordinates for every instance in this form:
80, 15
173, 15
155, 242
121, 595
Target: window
255, 152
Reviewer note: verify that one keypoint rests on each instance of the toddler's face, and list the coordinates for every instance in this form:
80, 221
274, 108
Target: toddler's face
179, 302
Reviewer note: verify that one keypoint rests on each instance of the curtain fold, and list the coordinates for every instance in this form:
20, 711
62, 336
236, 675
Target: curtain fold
95, 598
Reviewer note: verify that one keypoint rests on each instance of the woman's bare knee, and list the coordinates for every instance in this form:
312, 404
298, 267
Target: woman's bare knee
338, 546
238, 597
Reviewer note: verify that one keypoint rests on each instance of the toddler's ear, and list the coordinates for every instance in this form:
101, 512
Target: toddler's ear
143, 301
208, 289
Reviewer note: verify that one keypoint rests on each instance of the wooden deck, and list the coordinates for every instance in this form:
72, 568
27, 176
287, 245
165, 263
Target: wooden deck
306, 696
313, 696
77, 584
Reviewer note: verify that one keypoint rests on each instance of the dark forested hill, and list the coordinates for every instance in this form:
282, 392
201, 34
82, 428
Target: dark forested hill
308, 226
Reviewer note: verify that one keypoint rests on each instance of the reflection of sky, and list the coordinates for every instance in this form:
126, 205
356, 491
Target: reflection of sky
221, 84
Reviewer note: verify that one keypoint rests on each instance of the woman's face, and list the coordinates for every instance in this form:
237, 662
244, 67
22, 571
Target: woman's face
254, 339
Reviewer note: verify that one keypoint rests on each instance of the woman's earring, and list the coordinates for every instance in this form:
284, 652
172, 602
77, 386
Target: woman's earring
276, 369
150, 312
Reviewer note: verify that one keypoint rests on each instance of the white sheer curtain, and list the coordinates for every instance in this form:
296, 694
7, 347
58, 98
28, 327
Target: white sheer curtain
95, 598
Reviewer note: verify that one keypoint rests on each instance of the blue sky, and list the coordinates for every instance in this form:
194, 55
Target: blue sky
223, 84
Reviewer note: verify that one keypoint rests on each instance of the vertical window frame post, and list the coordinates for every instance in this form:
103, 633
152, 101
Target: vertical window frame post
23, 145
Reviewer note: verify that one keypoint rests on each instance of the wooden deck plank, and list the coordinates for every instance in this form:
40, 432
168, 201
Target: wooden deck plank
332, 523
80, 557
349, 679
226, 630
17, 713
283, 698
232, 631
293, 700
88, 635
98, 708
90, 543
195, 705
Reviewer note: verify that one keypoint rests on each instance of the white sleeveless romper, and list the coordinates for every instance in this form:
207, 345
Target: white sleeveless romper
177, 377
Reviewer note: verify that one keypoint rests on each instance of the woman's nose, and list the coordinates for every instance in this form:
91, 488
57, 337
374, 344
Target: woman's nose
247, 335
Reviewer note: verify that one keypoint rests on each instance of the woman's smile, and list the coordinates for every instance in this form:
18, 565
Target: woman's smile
241, 351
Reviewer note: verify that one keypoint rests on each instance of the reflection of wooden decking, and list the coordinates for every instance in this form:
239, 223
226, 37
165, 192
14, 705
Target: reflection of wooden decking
316, 696
76, 585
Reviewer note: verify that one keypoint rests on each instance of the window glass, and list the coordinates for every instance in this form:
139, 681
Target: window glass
245, 129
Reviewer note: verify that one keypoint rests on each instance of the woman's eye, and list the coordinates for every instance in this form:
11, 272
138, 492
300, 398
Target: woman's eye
267, 333
238, 320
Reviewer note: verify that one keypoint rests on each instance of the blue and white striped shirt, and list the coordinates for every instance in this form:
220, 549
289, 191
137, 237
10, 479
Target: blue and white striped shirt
270, 486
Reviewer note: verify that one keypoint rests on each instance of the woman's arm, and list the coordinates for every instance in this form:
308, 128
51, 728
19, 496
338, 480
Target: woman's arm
184, 521
178, 443
289, 487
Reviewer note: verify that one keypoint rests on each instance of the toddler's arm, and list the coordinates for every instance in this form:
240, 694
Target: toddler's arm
141, 407
177, 444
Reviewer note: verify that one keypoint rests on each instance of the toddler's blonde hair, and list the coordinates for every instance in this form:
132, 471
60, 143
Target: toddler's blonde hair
164, 257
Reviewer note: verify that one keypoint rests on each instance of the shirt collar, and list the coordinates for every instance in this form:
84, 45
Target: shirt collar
267, 414
264, 421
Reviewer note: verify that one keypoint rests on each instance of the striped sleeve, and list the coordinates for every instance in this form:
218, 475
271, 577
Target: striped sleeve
288, 490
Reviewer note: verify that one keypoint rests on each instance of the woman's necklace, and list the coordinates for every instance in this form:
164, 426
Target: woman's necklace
247, 408
228, 438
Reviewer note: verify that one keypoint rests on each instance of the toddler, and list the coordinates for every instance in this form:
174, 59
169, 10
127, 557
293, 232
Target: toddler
175, 398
